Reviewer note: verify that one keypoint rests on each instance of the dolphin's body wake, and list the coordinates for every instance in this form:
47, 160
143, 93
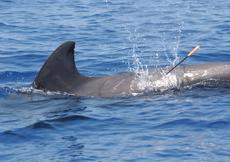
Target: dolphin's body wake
60, 74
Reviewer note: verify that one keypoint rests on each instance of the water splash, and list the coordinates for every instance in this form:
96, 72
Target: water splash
157, 81
151, 82
174, 58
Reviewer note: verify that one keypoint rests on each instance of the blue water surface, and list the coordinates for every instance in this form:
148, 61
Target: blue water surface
111, 36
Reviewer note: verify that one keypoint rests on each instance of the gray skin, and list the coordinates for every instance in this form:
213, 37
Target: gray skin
60, 74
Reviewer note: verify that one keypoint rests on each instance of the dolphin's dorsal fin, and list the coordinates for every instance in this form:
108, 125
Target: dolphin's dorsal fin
59, 70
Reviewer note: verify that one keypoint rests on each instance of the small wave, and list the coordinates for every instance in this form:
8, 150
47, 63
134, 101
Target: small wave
41, 125
181, 123
189, 123
11, 133
11, 137
23, 133
5, 25
70, 118
219, 124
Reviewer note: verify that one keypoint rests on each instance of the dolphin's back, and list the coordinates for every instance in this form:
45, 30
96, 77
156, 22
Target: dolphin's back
213, 72
59, 73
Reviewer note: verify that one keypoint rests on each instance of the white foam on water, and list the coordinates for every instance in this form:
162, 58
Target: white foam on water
31, 90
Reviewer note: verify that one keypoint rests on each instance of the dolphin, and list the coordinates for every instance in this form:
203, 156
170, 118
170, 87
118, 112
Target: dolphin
59, 74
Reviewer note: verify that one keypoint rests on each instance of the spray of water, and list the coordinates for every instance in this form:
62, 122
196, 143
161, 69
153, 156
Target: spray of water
172, 57
145, 80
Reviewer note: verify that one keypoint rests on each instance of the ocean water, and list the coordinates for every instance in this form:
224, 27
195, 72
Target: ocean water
111, 36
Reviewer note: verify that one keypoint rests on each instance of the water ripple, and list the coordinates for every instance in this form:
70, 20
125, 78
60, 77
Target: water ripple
189, 123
